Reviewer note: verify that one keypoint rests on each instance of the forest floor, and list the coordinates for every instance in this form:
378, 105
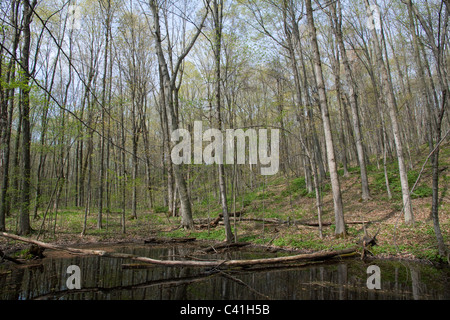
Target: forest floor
276, 215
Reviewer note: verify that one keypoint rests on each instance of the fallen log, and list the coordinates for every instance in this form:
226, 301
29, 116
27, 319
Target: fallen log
189, 263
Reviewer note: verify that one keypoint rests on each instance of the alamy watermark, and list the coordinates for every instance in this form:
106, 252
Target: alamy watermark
222, 150
374, 279
74, 280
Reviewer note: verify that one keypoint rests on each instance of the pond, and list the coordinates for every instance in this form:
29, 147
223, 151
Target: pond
104, 278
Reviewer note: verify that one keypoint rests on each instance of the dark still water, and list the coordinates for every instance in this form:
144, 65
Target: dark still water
106, 279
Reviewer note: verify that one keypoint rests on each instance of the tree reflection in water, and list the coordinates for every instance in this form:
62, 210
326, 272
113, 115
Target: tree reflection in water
106, 279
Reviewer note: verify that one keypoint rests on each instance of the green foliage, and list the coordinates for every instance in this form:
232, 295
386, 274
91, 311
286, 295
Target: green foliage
324, 189
379, 182
257, 239
217, 234
23, 254
296, 186
386, 248
350, 170
249, 198
298, 183
371, 168
421, 190
179, 233
161, 209
431, 255
265, 195
304, 241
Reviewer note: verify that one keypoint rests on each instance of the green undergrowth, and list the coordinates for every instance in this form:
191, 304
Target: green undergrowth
422, 189
298, 187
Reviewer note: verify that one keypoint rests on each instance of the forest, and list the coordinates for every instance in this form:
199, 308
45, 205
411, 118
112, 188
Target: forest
304, 124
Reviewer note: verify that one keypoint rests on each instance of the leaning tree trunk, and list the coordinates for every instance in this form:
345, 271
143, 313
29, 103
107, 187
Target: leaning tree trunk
335, 184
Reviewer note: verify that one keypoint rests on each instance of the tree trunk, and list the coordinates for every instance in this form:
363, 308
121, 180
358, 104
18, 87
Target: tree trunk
169, 85
335, 184
391, 101
218, 20
293, 40
148, 159
6, 119
353, 104
135, 140
437, 46
123, 185
24, 221
103, 120
435, 198
167, 163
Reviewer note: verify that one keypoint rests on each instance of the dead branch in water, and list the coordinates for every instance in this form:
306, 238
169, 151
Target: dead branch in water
189, 263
